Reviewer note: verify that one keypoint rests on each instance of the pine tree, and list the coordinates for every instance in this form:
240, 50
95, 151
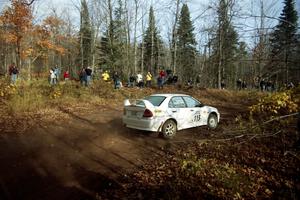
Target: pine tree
152, 45
85, 35
224, 47
283, 42
113, 43
119, 36
186, 42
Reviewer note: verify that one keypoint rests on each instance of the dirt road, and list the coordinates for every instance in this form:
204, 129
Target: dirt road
77, 158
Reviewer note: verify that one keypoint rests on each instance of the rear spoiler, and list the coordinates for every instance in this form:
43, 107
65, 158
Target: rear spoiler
138, 102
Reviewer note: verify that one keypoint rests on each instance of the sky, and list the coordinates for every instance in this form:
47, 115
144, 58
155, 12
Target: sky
200, 14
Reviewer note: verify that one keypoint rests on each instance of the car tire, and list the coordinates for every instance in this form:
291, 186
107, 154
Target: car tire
212, 121
169, 129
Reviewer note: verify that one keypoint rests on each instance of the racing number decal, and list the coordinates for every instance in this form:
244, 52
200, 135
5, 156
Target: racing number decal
197, 117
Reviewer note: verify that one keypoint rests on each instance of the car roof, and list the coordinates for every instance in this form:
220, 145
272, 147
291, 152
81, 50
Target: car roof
169, 95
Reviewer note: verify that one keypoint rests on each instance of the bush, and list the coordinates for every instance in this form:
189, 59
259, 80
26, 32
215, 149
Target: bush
6, 90
276, 104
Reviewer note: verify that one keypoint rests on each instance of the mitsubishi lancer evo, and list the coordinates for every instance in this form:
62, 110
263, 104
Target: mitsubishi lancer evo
168, 113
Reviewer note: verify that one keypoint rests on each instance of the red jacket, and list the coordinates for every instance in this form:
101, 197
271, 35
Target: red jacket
66, 75
162, 74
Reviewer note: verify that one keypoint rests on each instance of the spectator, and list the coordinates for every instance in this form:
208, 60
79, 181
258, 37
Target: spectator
52, 77
190, 82
269, 86
131, 81
13, 72
160, 82
66, 76
169, 72
223, 85
105, 76
290, 85
82, 76
262, 85
116, 78
239, 84
57, 73
139, 79
162, 75
148, 79
175, 79
88, 72
244, 85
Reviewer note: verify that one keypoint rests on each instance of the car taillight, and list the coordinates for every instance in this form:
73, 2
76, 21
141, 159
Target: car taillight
147, 113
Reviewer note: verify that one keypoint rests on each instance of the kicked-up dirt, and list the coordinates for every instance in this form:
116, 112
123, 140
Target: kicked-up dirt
78, 157
90, 153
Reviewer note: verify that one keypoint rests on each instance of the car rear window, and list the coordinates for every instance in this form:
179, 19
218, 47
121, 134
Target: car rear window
155, 100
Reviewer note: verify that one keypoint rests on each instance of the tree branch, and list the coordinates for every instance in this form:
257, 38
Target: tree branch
264, 123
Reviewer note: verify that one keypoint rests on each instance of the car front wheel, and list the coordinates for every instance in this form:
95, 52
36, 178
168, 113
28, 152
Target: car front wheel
169, 129
212, 121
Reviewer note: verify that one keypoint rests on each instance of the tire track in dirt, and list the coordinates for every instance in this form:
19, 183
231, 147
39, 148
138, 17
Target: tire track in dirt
77, 158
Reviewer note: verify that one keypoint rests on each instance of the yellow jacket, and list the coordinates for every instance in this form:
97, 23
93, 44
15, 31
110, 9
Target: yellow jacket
105, 76
148, 77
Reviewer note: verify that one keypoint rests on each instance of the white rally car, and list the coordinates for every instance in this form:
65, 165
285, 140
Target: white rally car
168, 113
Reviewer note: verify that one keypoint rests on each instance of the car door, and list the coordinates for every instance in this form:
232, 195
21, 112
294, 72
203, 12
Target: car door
178, 110
196, 111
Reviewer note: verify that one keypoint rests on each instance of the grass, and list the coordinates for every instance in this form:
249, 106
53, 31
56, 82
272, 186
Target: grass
224, 170
32, 96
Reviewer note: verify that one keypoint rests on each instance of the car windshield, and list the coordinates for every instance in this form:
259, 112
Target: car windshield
155, 100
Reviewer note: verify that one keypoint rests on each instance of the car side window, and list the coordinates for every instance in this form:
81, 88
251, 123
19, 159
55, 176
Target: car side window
177, 102
190, 102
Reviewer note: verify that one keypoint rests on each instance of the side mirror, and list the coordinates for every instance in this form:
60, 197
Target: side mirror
199, 105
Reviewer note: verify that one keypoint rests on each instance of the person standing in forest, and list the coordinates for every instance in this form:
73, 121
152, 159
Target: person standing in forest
139, 78
239, 84
223, 84
57, 73
66, 76
131, 81
116, 79
244, 85
148, 79
52, 77
160, 83
13, 72
82, 76
88, 72
162, 75
262, 85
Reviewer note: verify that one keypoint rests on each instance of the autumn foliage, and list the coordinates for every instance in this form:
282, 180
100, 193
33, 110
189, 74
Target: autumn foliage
277, 104
29, 41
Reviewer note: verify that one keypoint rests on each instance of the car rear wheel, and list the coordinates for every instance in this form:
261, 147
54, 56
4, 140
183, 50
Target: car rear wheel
212, 121
169, 129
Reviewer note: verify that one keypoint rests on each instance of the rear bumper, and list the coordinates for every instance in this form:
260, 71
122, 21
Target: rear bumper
151, 124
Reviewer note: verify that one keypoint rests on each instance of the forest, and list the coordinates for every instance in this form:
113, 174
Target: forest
125, 36
63, 137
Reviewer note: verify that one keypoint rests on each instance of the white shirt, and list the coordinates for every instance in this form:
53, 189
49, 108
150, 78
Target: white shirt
139, 78
52, 74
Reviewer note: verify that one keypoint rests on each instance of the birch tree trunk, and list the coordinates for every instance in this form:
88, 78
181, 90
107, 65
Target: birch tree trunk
135, 39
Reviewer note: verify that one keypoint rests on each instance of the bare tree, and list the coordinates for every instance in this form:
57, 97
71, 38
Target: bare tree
174, 36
